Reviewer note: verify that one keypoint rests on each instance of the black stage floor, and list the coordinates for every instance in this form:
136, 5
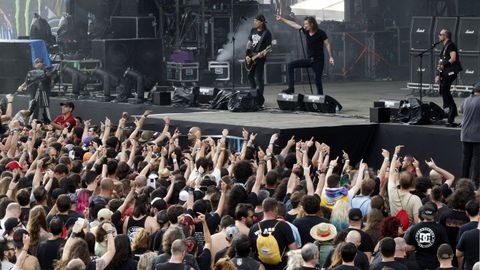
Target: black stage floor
353, 133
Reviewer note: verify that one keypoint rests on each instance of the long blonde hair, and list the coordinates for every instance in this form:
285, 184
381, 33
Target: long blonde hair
295, 260
339, 215
224, 264
337, 256
37, 221
140, 241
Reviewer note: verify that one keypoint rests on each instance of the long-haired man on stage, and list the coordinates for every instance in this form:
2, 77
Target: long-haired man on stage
447, 70
258, 40
316, 40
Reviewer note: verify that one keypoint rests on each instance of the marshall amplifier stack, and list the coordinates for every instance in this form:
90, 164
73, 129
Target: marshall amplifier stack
424, 33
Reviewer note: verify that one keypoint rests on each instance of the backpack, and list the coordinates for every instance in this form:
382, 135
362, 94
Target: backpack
402, 215
268, 248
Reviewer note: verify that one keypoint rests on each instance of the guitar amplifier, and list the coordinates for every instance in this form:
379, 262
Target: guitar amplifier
421, 33
471, 69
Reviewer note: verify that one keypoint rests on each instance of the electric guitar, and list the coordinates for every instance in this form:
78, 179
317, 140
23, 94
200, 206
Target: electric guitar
255, 56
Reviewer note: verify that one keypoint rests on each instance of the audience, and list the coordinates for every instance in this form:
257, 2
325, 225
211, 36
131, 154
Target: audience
116, 196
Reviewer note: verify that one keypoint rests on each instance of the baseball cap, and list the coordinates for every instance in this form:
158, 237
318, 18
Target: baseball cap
261, 18
445, 251
11, 223
183, 196
428, 210
146, 136
162, 216
355, 214
18, 237
12, 165
476, 87
68, 104
188, 220
104, 214
231, 232
159, 204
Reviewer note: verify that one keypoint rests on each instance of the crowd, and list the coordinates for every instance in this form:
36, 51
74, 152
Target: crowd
81, 196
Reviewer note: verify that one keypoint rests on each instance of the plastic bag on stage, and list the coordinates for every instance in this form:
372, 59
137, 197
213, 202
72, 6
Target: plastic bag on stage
183, 97
242, 102
414, 112
220, 102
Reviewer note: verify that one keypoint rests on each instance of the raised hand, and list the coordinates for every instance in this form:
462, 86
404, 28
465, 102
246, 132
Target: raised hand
398, 148
244, 134
430, 163
291, 142
385, 153
345, 155
225, 132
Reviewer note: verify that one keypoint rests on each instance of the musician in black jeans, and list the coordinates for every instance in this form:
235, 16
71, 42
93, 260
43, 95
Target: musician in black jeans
448, 68
258, 40
316, 39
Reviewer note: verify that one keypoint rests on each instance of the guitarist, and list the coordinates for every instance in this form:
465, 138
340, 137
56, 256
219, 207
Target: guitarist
447, 70
258, 40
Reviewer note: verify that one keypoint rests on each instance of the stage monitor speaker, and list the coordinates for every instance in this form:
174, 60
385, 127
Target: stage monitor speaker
428, 74
379, 115
469, 35
471, 69
450, 23
421, 33
290, 102
161, 98
321, 103
204, 95
144, 55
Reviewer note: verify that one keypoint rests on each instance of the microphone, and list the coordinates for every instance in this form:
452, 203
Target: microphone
243, 18
436, 43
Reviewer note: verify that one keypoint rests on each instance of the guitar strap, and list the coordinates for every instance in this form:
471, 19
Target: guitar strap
259, 44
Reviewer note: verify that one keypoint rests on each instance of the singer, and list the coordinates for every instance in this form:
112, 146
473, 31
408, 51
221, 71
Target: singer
316, 40
447, 69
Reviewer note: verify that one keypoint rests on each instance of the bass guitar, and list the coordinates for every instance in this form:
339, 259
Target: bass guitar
255, 56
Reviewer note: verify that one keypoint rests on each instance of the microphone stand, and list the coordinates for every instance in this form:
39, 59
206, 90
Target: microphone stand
233, 53
420, 71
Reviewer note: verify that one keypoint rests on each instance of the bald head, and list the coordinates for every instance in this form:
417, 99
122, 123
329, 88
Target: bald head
354, 237
400, 246
106, 184
194, 133
13, 210
75, 264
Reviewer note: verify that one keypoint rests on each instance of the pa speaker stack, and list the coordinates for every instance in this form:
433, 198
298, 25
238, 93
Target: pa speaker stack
468, 42
310, 103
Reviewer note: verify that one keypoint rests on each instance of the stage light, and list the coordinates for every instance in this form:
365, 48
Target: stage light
139, 78
108, 80
78, 79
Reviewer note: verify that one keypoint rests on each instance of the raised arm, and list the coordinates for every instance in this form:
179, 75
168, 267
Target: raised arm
416, 164
449, 178
292, 24
392, 174
260, 171
358, 183
383, 169
108, 256
206, 231
223, 198
287, 148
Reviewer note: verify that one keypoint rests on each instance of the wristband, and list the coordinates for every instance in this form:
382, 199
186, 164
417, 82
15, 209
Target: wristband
347, 160
386, 159
174, 161
395, 155
272, 141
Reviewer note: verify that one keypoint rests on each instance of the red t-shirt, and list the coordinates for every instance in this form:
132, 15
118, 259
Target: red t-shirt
68, 122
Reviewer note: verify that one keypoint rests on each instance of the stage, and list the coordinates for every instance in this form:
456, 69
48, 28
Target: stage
350, 130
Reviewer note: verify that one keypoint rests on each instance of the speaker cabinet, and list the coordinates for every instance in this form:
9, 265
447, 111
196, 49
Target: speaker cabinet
471, 69
428, 72
450, 23
290, 102
421, 33
469, 35
379, 115
144, 55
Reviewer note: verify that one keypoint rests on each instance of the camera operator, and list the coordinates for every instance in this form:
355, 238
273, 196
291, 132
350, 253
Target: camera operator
38, 82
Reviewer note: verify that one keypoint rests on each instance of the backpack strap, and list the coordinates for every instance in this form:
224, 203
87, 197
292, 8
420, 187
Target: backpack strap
363, 204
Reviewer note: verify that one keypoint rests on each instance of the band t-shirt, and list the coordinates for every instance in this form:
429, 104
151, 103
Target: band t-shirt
445, 55
426, 237
259, 44
315, 43
469, 245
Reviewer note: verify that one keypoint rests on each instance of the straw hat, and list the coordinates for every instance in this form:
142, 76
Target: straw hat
323, 232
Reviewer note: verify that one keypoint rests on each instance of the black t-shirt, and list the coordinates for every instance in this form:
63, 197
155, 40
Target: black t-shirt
258, 43
445, 54
452, 221
170, 266
393, 264
204, 259
304, 224
466, 227
24, 214
426, 237
468, 244
130, 264
68, 220
366, 244
220, 254
410, 264
282, 233
346, 267
361, 260
315, 43
48, 251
